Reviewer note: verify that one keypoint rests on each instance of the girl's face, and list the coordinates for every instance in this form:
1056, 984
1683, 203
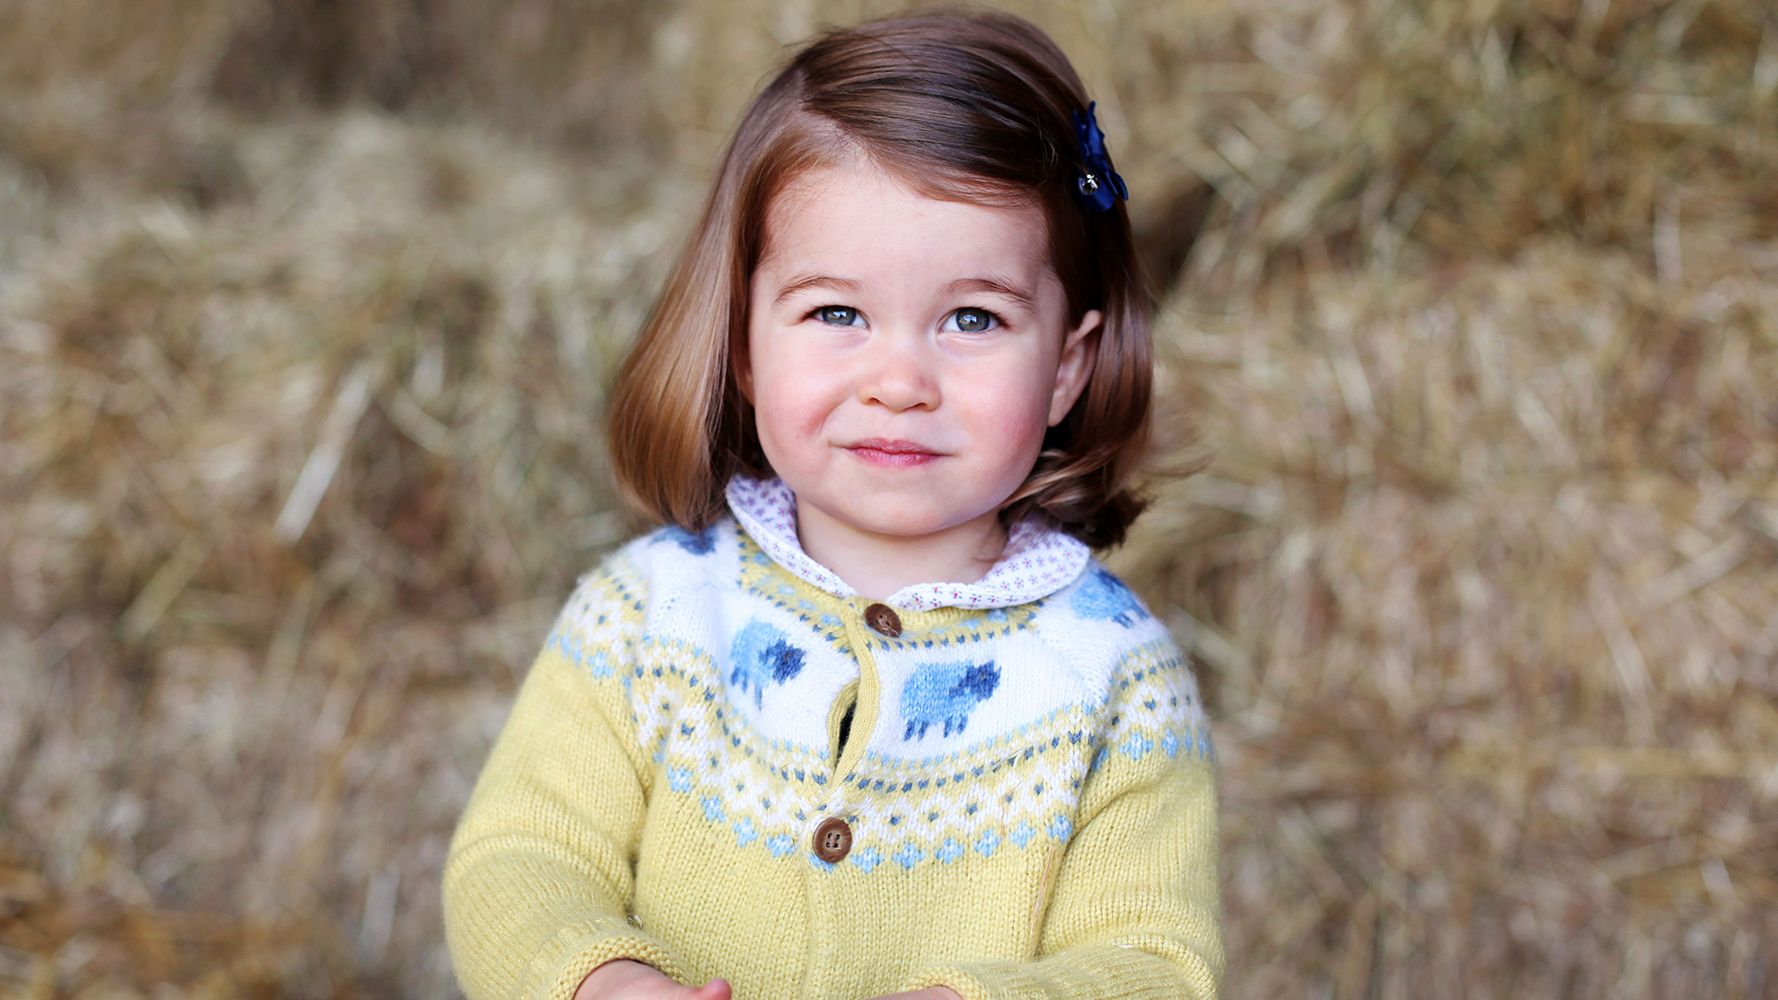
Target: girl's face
905, 354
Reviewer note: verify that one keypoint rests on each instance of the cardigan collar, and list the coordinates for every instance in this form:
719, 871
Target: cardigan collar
1038, 560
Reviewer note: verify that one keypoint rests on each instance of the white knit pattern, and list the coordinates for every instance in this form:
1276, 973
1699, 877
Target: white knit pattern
1079, 675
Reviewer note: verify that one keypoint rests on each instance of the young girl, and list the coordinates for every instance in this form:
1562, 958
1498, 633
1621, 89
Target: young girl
866, 717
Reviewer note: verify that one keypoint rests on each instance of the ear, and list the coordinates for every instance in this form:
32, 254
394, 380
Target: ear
1080, 349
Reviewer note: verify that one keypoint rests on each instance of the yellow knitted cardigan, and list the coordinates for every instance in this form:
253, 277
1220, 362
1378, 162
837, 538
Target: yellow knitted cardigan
1029, 790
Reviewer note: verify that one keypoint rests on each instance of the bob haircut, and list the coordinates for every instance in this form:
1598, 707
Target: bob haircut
961, 105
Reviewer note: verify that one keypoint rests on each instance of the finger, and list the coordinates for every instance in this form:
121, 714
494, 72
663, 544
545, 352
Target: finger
715, 989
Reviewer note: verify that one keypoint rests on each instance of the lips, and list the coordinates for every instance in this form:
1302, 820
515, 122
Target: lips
884, 453
895, 447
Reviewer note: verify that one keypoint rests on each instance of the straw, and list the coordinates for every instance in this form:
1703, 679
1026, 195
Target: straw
1468, 322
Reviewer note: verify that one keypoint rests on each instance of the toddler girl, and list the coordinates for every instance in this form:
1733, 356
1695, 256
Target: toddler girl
867, 717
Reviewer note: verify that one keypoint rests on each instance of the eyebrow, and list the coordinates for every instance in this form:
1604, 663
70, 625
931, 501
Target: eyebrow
802, 282
994, 286
991, 285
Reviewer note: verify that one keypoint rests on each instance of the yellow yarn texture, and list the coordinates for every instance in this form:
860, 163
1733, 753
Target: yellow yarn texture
1029, 790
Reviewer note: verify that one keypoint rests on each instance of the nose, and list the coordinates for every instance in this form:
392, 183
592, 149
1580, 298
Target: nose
898, 373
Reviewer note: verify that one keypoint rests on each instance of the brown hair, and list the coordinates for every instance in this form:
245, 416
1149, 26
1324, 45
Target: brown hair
963, 105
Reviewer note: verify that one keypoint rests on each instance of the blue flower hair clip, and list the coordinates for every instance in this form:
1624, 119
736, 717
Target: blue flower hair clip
1099, 185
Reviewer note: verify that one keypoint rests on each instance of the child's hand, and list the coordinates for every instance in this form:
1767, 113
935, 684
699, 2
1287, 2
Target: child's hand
929, 993
624, 979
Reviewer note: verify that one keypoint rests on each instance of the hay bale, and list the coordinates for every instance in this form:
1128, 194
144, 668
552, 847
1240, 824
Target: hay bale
1467, 308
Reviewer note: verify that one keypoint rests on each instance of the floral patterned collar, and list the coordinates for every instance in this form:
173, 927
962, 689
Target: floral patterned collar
1038, 560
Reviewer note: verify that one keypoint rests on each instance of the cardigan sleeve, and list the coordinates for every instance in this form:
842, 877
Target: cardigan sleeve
539, 876
1135, 911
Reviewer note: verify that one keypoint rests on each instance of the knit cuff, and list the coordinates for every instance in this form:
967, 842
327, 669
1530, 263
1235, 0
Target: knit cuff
579, 948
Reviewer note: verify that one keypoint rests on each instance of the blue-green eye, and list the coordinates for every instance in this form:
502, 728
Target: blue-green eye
971, 320
837, 315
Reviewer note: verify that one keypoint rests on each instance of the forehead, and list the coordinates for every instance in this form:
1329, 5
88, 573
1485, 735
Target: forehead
857, 218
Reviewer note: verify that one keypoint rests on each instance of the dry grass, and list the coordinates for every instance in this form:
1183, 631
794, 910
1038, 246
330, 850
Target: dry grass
303, 324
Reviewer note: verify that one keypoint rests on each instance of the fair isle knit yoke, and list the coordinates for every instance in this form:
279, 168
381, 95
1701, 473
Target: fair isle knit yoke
1027, 782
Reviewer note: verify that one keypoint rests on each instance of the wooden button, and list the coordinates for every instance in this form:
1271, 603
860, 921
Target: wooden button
883, 618
833, 839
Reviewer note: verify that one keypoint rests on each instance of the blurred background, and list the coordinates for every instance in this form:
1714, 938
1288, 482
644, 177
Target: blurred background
1469, 307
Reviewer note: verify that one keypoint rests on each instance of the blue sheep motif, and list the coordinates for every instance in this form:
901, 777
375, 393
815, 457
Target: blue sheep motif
945, 692
697, 543
1102, 595
762, 655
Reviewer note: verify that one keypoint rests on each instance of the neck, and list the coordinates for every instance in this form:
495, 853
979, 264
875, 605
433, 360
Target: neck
878, 565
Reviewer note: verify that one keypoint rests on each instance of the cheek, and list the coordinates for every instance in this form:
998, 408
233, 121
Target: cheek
790, 400
1015, 413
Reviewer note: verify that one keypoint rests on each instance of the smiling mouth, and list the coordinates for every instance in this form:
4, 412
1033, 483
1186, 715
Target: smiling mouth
893, 454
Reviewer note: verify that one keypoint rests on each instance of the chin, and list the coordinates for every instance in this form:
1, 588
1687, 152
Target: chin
882, 516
